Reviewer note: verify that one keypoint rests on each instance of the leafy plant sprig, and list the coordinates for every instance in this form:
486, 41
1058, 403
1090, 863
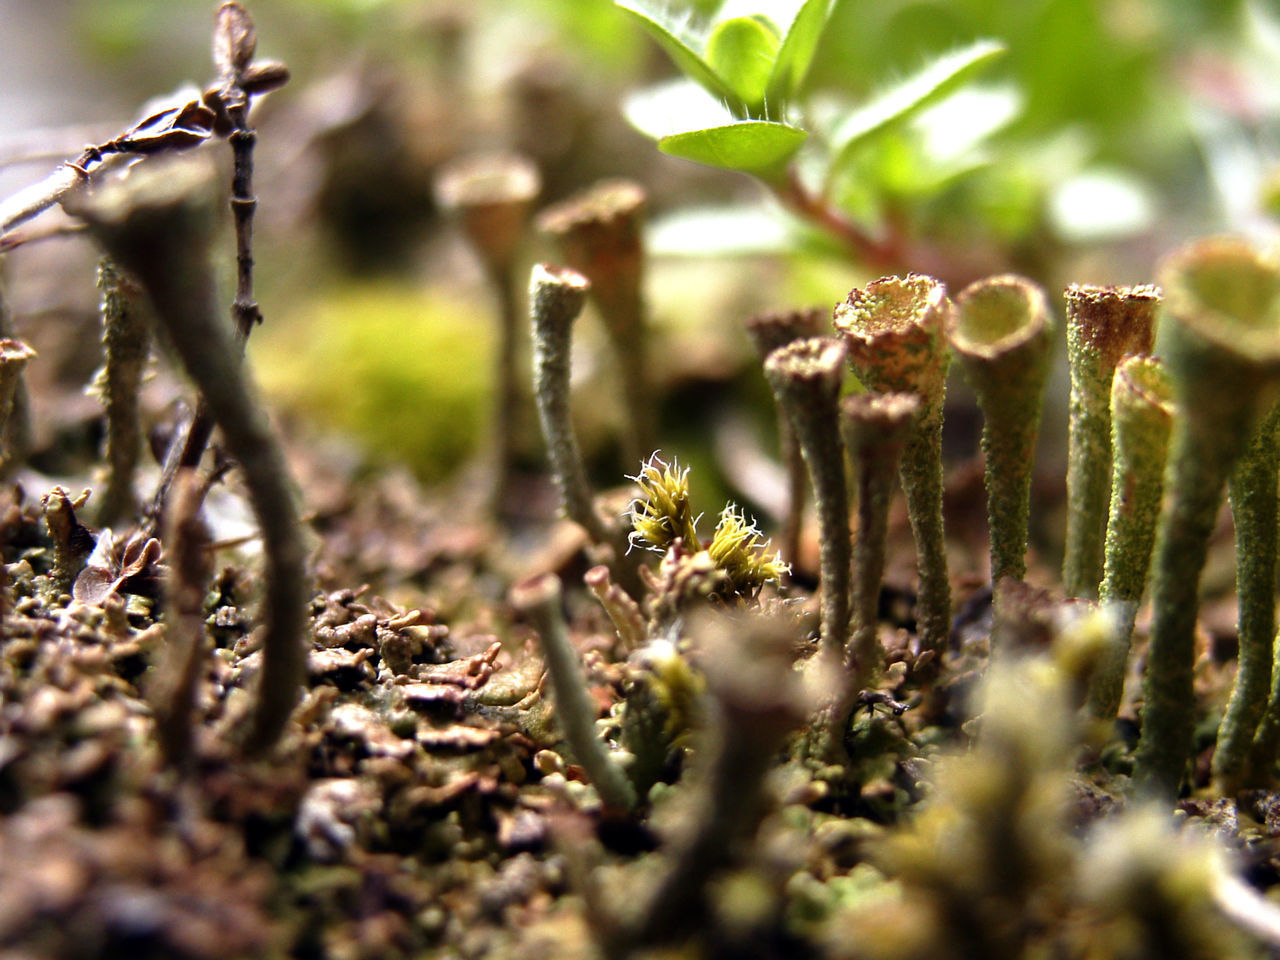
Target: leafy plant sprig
753, 68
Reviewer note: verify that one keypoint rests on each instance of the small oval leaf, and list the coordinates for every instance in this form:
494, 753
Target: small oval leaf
758, 147
742, 51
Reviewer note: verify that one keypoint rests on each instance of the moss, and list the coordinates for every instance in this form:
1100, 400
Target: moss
408, 371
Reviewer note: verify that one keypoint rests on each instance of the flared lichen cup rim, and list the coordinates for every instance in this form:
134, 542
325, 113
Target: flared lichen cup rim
1101, 293
892, 306
1144, 381
549, 274
1226, 291
808, 359
997, 315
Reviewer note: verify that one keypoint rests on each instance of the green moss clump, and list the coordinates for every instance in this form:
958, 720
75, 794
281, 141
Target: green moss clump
406, 372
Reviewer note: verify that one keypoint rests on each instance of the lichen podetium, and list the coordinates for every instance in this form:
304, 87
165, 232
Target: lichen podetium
1221, 337
1252, 491
893, 329
876, 427
1141, 417
1001, 331
806, 376
1104, 325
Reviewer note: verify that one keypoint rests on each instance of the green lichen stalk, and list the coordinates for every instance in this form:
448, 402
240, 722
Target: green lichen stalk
876, 427
1002, 333
1252, 491
1221, 321
1141, 418
894, 331
1104, 324
806, 376
768, 332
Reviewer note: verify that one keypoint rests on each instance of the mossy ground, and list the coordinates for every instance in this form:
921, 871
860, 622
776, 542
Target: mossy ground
418, 803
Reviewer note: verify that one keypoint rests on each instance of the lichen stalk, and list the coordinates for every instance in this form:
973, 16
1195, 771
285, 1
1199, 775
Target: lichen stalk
1104, 325
492, 195
1221, 338
157, 225
876, 427
1141, 418
768, 331
14, 355
1259, 768
755, 700
540, 598
806, 376
189, 565
126, 337
894, 330
1001, 332
556, 298
623, 611
15, 428
599, 235
1252, 493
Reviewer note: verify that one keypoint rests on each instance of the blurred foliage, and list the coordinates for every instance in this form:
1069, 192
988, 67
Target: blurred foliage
1105, 131
406, 373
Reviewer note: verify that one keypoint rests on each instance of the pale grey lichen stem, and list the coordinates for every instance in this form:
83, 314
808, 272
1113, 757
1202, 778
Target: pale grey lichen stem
768, 332
491, 195
623, 611
556, 297
189, 565
599, 235
15, 432
755, 701
539, 599
806, 376
126, 337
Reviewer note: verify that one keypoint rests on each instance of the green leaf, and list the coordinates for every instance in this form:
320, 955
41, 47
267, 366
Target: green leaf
758, 147
683, 48
939, 79
741, 51
796, 52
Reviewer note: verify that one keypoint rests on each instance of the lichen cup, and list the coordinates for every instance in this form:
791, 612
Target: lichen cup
1220, 327
894, 331
1001, 332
